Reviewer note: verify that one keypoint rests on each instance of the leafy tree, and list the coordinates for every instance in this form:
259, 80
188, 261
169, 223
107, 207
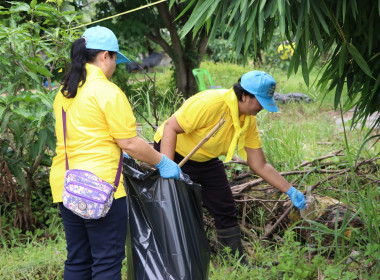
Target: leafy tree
34, 42
347, 30
159, 25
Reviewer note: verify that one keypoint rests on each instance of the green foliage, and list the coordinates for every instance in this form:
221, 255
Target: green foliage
156, 28
350, 37
34, 259
34, 42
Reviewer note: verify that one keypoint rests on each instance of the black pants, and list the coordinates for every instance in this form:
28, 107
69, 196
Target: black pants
216, 191
95, 248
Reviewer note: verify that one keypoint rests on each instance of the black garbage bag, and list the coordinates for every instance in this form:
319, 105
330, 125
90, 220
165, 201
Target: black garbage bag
166, 238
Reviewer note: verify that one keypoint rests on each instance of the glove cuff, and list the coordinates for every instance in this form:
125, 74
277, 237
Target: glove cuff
291, 191
162, 162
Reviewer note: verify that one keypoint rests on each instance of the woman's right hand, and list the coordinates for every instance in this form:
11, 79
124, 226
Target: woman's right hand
168, 168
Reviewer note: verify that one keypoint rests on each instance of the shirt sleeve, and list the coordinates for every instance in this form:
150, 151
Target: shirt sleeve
252, 139
119, 116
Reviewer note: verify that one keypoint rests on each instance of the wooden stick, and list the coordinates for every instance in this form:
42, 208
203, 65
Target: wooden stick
319, 159
204, 140
269, 231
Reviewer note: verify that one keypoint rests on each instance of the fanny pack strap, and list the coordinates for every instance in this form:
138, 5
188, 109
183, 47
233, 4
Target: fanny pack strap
118, 173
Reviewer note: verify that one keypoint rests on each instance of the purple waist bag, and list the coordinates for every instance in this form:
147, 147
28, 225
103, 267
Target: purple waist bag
84, 193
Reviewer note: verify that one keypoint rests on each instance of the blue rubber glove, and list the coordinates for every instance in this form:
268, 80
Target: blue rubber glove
168, 168
296, 197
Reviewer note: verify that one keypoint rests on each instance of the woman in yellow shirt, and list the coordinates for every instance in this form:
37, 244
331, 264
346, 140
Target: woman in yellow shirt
99, 122
193, 121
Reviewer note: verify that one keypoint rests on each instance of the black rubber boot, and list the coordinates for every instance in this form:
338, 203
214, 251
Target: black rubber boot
230, 237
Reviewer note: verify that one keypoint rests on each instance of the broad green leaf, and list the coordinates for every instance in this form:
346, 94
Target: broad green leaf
24, 113
33, 75
338, 93
317, 34
300, 22
184, 10
279, 7
297, 54
211, 11
43, 71
33, 4
252, 17
43, 14
231, 38
45, 7
342, 58
5, 121
320, 16
344, 8
33, 150
307, 34
255, 38
42, 139
243, 11
359, 59
239, 41
247, 41
19, 7
354, 8
171, 3
232, 14
262, 4
260, 24
199, 11
19, 174
217, 23
243, 5
305, 69
51, 142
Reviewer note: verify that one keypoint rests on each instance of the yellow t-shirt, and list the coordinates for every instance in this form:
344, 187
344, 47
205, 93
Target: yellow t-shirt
198, 115
99, 114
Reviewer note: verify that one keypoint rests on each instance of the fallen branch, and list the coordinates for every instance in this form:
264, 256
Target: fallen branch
237, 160
239, 188
269, 231
319, 159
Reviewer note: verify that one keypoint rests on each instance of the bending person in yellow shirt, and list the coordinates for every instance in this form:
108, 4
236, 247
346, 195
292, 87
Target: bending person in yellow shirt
99, 122
191, 123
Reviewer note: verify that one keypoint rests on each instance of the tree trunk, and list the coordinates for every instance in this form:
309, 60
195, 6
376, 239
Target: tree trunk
185, 55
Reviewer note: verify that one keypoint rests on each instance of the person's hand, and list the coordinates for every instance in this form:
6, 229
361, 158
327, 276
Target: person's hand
296, 197
168, 168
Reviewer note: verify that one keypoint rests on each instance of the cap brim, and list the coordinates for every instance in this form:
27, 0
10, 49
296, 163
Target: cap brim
121, 58
268, 104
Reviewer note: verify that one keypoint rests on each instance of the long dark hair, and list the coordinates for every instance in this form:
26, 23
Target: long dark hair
76, 76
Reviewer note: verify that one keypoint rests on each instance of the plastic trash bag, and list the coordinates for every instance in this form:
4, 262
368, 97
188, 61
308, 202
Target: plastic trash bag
166, 238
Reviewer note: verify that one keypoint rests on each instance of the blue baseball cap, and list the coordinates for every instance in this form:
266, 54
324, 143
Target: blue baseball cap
262, 86
102, 38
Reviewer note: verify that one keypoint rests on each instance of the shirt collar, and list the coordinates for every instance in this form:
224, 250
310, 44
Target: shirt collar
94, 72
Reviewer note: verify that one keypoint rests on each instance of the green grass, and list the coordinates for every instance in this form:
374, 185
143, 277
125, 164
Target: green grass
34, 260
298, 133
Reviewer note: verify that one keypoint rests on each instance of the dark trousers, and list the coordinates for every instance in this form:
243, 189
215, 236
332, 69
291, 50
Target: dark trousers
95, 248
216, 191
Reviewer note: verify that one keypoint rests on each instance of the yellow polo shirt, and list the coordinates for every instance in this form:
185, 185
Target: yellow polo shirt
198, 115
99, 114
